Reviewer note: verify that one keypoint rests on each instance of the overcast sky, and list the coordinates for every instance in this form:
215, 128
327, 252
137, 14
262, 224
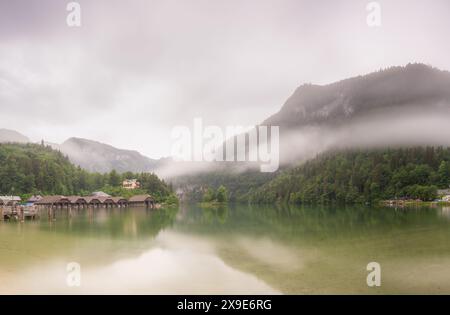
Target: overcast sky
137, 68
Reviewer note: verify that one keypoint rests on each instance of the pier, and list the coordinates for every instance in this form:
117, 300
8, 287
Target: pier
12, 210
20, 213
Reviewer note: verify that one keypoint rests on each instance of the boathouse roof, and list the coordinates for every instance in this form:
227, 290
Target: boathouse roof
92, 199
99, 194
141, 198
48, 200
105, 199
34, 198
76, 199
10, 198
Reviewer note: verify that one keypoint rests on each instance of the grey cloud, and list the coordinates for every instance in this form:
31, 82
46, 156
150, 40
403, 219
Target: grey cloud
150, 65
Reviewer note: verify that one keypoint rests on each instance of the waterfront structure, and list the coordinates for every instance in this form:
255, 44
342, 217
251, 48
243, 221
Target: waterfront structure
99, 194
131, 184
142, 200
77, 201
10, 200
53, 201
33, 199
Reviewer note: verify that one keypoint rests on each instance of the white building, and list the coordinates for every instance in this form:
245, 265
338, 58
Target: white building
131, 184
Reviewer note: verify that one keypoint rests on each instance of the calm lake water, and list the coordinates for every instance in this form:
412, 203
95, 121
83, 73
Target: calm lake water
235, 250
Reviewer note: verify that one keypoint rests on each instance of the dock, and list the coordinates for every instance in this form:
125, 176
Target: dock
20, 213
12, 210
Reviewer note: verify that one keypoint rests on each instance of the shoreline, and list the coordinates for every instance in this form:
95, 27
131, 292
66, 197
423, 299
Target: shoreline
404, 203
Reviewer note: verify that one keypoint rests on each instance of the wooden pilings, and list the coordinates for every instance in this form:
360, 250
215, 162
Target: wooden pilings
21, 212
51, 213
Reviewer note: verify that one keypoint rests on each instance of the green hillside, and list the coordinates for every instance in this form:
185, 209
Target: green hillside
360, 176
35, 169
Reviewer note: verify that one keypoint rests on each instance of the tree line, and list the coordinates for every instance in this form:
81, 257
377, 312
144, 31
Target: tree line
219, 195
27, 169
361, 176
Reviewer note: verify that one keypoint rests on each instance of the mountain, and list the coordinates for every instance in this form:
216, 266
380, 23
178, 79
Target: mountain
39, 169
95, 156
32, 168
7, 135
99, 157
339, 102
398, 106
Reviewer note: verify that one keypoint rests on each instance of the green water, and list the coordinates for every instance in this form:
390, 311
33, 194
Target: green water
235, 249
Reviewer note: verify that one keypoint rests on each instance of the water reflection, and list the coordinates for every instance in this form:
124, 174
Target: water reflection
175, 264
235, 249
111, 223
445, 212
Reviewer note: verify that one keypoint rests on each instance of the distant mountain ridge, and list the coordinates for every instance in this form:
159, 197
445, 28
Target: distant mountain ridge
393, 87
94, 156
99, 157
12, 136
408, 105
397, 106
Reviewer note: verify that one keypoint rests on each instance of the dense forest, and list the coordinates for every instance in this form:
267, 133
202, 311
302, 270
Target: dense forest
27, 169
349, 176
361, 176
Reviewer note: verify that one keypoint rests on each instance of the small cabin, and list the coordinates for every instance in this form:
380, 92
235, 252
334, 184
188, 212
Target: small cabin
142, 201
131, 184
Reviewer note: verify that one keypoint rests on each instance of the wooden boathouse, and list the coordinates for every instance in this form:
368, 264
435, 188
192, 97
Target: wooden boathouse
10, 208
77, 201
93, 201
142, 201
54, 201
107, 202
119, 201
96, 202
9, 200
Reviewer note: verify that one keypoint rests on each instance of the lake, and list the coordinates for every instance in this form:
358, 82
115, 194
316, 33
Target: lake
228, 250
